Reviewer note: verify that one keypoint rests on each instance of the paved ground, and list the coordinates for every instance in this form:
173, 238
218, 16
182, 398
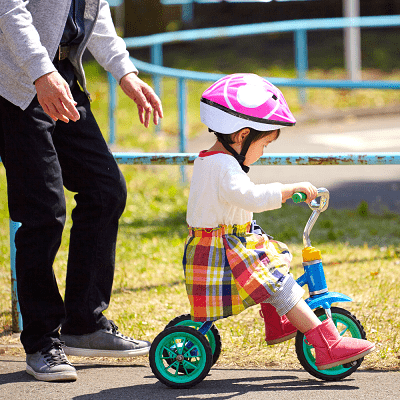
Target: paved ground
135, 381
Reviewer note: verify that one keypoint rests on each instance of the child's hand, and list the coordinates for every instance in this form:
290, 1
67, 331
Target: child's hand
305, 187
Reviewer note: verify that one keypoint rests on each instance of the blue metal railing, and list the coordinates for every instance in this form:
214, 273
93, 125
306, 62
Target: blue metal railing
187, 6
299, 29
15, 310
270, 159
115, 3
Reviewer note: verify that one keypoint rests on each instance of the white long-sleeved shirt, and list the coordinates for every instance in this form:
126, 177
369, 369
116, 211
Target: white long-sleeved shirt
221, 193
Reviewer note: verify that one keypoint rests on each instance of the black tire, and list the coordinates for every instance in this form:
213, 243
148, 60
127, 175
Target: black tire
183, 367
212, 335
353, 328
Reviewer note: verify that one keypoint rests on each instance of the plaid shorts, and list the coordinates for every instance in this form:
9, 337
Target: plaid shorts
228, 269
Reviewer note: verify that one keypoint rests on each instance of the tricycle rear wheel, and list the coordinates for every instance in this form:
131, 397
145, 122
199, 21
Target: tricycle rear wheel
180, 357
212, 335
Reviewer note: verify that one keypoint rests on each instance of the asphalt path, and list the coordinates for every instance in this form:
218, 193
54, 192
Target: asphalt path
379, 185
130, 380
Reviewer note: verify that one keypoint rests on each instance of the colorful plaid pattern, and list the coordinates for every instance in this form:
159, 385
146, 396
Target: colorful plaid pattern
228, 269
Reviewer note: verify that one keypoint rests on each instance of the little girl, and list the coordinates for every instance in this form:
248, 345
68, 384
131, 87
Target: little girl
229, 263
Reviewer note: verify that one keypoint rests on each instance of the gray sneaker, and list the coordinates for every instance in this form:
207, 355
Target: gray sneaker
104, 343
50, 364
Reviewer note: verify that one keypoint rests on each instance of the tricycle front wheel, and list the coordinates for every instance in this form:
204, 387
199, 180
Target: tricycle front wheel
347, 325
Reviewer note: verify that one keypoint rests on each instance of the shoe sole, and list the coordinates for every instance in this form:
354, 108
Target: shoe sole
282, 339
52, 376
80, 352
346, 361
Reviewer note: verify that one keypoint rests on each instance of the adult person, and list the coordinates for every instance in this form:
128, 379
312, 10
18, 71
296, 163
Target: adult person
49, 139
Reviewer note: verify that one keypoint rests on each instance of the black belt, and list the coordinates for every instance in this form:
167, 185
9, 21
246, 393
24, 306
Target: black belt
62, 52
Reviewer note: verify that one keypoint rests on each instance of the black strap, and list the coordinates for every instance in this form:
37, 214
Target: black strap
239, 157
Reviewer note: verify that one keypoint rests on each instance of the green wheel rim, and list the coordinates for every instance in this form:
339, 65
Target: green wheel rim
196, 325
344, 325
173, 347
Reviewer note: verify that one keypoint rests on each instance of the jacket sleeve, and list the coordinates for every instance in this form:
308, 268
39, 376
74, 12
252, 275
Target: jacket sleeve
107, 47
23, 40
236, 188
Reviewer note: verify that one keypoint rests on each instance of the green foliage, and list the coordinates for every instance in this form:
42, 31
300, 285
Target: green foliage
149, 287
363, 209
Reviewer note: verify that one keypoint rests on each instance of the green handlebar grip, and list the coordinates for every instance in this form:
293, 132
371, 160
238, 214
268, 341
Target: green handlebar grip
298, 197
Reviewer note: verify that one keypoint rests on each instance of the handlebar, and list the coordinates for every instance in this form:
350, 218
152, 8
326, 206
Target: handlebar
323, 193
317, 209
299, 197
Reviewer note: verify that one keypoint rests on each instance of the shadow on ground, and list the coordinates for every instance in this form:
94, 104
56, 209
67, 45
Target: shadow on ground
380, 196
231, 387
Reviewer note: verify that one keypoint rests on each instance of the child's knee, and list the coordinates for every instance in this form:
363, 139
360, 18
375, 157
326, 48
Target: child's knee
287, 296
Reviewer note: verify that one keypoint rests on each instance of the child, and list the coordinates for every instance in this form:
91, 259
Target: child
229, 263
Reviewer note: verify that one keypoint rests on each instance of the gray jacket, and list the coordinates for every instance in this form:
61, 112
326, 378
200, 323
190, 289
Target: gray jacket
30, 32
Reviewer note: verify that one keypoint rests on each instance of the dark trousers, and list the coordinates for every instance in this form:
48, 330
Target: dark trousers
42, 157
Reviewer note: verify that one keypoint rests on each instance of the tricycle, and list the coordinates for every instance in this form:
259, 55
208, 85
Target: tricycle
182, 354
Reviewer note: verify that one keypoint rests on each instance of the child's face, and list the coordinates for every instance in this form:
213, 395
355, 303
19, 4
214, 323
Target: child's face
256, 149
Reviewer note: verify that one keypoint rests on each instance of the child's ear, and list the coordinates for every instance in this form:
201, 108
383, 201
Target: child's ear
242, 135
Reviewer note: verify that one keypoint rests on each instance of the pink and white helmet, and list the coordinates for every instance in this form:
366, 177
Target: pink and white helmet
244, 100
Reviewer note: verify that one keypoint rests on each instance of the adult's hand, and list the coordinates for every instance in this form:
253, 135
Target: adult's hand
144, 97
55, 97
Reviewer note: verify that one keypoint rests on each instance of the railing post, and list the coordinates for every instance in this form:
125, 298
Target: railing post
15, 310
112, 107
182, 103
156, 55
301, 60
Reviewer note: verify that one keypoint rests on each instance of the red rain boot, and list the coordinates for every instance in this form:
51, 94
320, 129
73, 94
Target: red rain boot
277, 329
331, 349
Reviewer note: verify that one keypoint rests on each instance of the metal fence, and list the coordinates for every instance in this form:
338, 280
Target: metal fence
299, 28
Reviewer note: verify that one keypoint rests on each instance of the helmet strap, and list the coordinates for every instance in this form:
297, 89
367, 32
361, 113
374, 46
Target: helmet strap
239, 157
247, 143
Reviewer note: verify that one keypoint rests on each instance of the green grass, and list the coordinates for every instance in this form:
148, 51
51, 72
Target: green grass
361, 250
361, 254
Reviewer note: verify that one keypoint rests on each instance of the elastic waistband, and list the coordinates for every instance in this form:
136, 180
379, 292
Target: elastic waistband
220, 230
